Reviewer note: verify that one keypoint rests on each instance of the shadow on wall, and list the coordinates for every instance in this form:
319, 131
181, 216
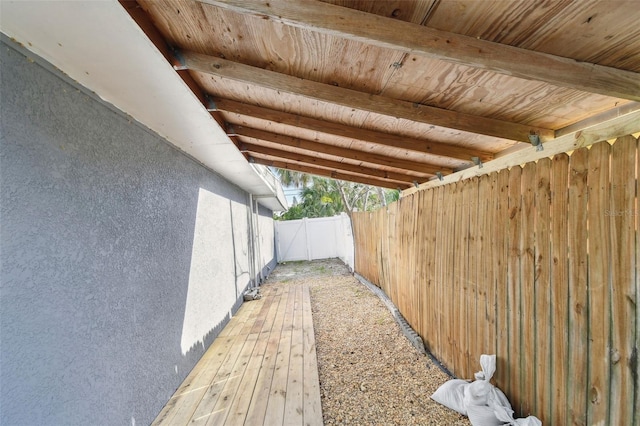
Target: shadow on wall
108, 237
213, 262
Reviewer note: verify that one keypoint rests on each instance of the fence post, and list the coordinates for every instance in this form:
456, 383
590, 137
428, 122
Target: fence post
306, 238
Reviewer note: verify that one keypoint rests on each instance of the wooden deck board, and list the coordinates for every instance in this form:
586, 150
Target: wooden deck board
262, 368
186, 399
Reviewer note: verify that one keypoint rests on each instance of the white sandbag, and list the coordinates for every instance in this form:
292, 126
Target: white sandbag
477, 393
483, 403
482, 415
451, 395
505, 415
488, 365
481, 396
528, 421
500, 397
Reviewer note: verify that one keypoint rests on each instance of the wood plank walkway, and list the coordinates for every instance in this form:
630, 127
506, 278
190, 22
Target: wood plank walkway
261, 370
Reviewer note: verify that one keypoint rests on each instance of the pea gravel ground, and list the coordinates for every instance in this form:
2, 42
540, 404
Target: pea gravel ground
369, 372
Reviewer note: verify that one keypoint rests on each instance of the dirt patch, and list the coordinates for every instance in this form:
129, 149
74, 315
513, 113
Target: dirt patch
290, 271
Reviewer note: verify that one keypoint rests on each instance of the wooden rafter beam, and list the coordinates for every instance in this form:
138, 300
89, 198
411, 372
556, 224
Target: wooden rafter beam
623, 125
377, 104
419, 40
314, 161
337, 129
334, 174
337, 151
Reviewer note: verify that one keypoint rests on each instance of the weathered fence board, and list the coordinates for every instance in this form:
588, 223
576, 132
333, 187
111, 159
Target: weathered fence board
599, 258
624, 361
636, 377
578, 286
474, 254
527, 268
502, 291
559, 289
538, 264
461, 350
513, 270
491, 272
542, 300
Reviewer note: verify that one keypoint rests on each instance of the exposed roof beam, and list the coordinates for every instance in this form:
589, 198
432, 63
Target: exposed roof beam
464, 50
623, 125
337, 129
599, 118
254, 149
338, 151
284, 83
334, 174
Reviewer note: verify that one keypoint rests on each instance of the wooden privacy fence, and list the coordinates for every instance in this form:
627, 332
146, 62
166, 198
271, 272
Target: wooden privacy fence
537, 264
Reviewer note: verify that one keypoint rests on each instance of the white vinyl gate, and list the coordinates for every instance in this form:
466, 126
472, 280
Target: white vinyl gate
318, 238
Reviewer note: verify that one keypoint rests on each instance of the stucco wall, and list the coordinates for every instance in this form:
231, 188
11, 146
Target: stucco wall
121, 258
266, 230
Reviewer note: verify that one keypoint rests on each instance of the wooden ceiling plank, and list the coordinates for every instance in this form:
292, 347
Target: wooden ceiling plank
366, 157
255, 149
626, 124
337, 129
358, 100
429, 42
334, 174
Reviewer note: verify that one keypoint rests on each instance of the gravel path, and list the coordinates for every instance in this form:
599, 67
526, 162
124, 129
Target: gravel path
369, 372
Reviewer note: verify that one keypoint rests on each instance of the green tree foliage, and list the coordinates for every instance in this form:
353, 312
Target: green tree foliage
290, 178
323, 197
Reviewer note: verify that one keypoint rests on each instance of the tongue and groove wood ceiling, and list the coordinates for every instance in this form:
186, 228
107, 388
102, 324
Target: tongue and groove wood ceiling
395, 93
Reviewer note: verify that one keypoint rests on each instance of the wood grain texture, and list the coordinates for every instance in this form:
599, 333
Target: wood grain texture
294, 402
568, 304
357, 100
578, 347
401, 10
257, 407
559, 290
491, 271
636, 377
527, 275
598, 184
624, 345
316, 161
275, 410
462, 272
328, 172
587, 33
312, 410
607, 36
448, 270
237, 407
473, 91
430, 319
267, 352
345, 153
441, 294
348, 132
542, 281
438, 44
616, 127
330, 132
514, 314
457, 265
474, 262
503, 367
